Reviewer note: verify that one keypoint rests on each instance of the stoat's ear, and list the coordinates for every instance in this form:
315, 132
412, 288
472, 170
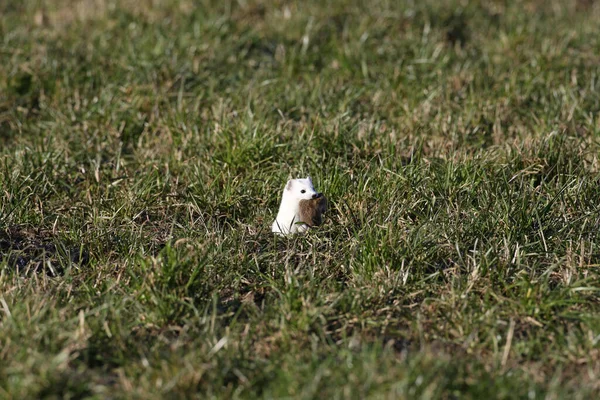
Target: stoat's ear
308, 179
290, 185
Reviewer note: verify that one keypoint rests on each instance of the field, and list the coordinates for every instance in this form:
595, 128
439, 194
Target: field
144, 146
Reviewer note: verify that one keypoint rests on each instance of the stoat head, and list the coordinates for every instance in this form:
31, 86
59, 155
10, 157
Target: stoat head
300, 189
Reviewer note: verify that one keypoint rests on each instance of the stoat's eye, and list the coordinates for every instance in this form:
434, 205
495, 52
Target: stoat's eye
303, 191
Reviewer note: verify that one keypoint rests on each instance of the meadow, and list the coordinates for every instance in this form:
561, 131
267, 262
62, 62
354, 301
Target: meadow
144, 146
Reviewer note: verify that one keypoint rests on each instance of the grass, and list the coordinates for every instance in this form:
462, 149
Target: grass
143, 148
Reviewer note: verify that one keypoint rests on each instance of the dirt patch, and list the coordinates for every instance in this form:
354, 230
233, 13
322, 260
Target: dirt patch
29, 250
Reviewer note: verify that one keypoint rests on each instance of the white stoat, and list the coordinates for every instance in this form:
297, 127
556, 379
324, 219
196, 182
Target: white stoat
288, 218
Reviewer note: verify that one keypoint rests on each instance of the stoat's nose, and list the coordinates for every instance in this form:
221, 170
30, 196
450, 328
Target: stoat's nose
317, 195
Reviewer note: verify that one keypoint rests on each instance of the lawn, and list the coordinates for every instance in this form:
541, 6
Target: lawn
144, 146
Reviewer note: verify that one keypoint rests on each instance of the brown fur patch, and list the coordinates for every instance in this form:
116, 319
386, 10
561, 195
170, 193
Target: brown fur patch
311, 211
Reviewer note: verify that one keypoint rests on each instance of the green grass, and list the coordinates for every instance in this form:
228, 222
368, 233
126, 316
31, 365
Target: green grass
144, 146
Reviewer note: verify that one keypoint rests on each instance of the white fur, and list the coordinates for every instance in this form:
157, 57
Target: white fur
287, 217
